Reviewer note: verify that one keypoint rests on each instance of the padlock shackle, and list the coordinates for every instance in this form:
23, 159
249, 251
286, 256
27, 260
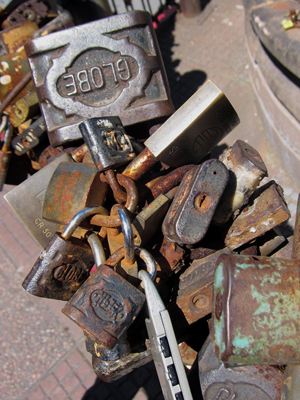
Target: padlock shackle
147, 257
128, 235
78, 218
97, 248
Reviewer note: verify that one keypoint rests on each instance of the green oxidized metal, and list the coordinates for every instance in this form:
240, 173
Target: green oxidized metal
256, 310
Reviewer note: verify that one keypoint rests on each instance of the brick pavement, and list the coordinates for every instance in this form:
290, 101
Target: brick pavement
42, 353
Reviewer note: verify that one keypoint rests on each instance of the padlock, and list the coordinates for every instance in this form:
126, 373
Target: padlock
24, 109
14, 38
256, 310
243, 382
73, 186
246, 170
30, 138
27, 201
64, 264
190, 133
107, 304
269, 210
31, 10
15, 68
62, 21
116, 70
107, 142
195, 294
191, 212
5, 154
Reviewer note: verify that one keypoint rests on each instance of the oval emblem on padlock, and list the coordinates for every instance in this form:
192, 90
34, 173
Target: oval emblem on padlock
108, 305
97, 77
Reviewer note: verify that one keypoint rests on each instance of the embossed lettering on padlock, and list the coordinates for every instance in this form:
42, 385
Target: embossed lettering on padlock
194, 204
63, 265
256, 310
243, 382
116, 70
27, 201
107, 141
30, 138
105, 305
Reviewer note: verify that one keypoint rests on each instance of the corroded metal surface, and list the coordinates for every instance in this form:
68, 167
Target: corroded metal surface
246, 170
243, 382
72, 187
60, 269
105, 305
14, 38
269, 210
116, 70
30, 138
256, 310
195, 295
195, 202
31, 10
24, 109
140, 165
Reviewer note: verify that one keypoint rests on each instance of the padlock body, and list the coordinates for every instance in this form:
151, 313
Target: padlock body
256, 310
72, 187
198, 195
105, 306
60, 269
116, 69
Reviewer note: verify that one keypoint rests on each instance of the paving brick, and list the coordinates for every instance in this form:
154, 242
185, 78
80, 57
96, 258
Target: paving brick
70, 382
83, 369
62, 370
49, 383
37, 394
78, 393
89, 380
58, 394
75, 358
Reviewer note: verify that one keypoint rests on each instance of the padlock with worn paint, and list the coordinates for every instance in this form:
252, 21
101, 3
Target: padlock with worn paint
24, 109
195, 295
193, 207
190, 133
269, 210
13, 38
243, 382
107, 304
256, 310
246, 170
107, 142
116, 70
30, 138
27, 201
64, 264
72, 187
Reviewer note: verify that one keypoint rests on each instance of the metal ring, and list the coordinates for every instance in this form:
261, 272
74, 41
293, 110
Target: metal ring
148, 259
78, 218
3, 122
128, 235
97, 248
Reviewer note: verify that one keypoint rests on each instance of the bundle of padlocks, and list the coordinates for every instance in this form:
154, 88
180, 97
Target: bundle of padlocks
130, 208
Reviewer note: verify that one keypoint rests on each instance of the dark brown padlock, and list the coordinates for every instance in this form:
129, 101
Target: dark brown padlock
193, 207
63, 265
107, 304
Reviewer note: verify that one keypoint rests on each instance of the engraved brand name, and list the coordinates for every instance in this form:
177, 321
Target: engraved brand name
69, 273
39, 223
208, 138
97, 77
108, 305
116, 140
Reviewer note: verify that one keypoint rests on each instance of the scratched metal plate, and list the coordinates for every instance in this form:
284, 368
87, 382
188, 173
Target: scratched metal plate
109, 67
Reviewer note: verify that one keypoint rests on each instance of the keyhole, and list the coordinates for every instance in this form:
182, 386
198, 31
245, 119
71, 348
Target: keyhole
203, 202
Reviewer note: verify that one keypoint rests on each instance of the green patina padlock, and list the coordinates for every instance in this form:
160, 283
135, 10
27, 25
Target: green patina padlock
256, 310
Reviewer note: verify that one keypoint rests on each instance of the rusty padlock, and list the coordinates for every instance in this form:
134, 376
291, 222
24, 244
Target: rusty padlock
107, 304
256, 310
116, 70
193, 207
64, 264
72, 187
